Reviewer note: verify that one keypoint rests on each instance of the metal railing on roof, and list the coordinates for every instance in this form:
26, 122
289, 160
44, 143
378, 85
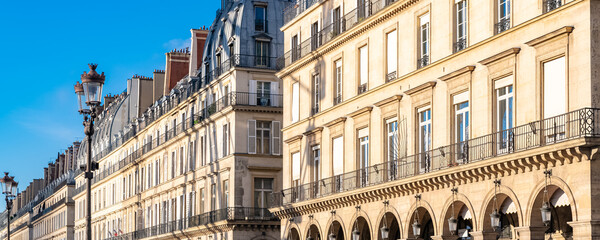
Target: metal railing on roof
297, 7
576, 124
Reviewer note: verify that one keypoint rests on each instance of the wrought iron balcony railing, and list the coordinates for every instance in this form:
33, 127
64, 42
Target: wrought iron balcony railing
460, 45
240, 60
337, 100
230, 214
391, 76
260, 25
423, 61
502, 25
577, 124
550, 5
48, 209
329, 32
362, 88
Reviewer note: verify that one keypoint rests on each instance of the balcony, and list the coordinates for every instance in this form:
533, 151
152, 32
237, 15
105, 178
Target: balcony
550, 5
502, 25
48, 209
240, 60
459, 45
581, 123
423, 61
231, 214
328, 32
391, 76
362, 88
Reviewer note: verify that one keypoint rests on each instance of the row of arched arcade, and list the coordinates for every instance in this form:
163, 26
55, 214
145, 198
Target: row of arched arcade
545, 215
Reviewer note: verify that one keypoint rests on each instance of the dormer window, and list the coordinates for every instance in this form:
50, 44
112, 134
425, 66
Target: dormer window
260, 18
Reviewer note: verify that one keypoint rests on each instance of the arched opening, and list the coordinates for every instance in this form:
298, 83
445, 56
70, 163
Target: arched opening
464, 224
425, 222
313, 233
361, 227
335, 231
391, 225
293, 235
509, 218
560, 209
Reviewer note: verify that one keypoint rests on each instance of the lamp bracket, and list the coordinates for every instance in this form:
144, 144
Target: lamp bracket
548, 172
497, 182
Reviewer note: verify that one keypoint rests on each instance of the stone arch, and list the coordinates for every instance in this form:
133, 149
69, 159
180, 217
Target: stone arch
388, 210
554, 181
294, 234
560, 215
407, 231
337, 230
265, 237
489, 198
460, 201
288, 229
312, 225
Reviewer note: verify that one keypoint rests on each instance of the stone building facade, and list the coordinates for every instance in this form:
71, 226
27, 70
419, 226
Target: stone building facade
402, 114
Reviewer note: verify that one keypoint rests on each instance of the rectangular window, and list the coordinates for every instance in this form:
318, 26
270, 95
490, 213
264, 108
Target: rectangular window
295, 174
295, 48
461, 128
202, 202
423, 41
392, 55
263, 93
338, 82
225, 140
202, 151
276, 142
336, 16
213, 197
251, 136
262, 54
363, 8
173, 164
363, 155
225, 194
181, 161
425, 139
504, 113
503, 14
219, 63
393, 149
460, 7
316, 163
554, 87
295, 102
316, 93
263, 187
314, 36
338, 155
363, 68
260, 19
263, 137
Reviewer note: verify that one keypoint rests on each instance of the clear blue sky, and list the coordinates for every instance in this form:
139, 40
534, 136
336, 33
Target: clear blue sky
46, 45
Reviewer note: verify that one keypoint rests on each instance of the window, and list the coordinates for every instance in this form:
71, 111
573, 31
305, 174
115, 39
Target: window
363, 154
503, 15
225, 194
423, 41
263, 137
262, 54
263, 93
363, 68
263, 187
219, 62
461, 128
260, 19
295, 174
338, 82
192, 156
392, 55
295, 49
392, 140
425, 139
181, 161
202, 203
554, 87
363, 9
550, 5
202, 151
336, 16
338, 155
314, 36
460, 8
316, 168
504, 113
173, 164
295, 102
316, 93
213, 197
225, 140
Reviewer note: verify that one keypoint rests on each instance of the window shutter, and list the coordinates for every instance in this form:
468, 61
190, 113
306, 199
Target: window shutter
252, 93
296, 166
178, 204
188, 208
276, 142
554, 87
295, 102
275, 98
252, 136
338, 156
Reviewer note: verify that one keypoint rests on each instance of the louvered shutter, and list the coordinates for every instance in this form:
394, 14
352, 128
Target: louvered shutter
252, 136
275, 97
276, 141
252, 93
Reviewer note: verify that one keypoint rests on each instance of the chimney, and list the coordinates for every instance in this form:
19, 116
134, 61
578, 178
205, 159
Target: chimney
108, 99
177, 67
198, 39
158, 87
45, 177
140, 94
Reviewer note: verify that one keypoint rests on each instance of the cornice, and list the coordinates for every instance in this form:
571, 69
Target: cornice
556, 33
293, 139
361, 111
457, 73
313, 131
261, 168
501, 55
335, 122
395, 98
421, 87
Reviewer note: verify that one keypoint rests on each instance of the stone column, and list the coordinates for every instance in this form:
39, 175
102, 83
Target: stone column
530, 233
484, 235
586, 229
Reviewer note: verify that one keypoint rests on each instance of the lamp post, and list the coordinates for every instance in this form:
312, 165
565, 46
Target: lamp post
416, 226
9, 189
495, 216
385, 230
452, 221
545, 210
89, 93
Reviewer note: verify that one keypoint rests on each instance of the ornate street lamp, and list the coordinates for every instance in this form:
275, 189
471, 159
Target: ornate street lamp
545, 210
385, 231
309, 237
452, 222
356, 234
495, 216
90, 88
416, 226
9, 189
